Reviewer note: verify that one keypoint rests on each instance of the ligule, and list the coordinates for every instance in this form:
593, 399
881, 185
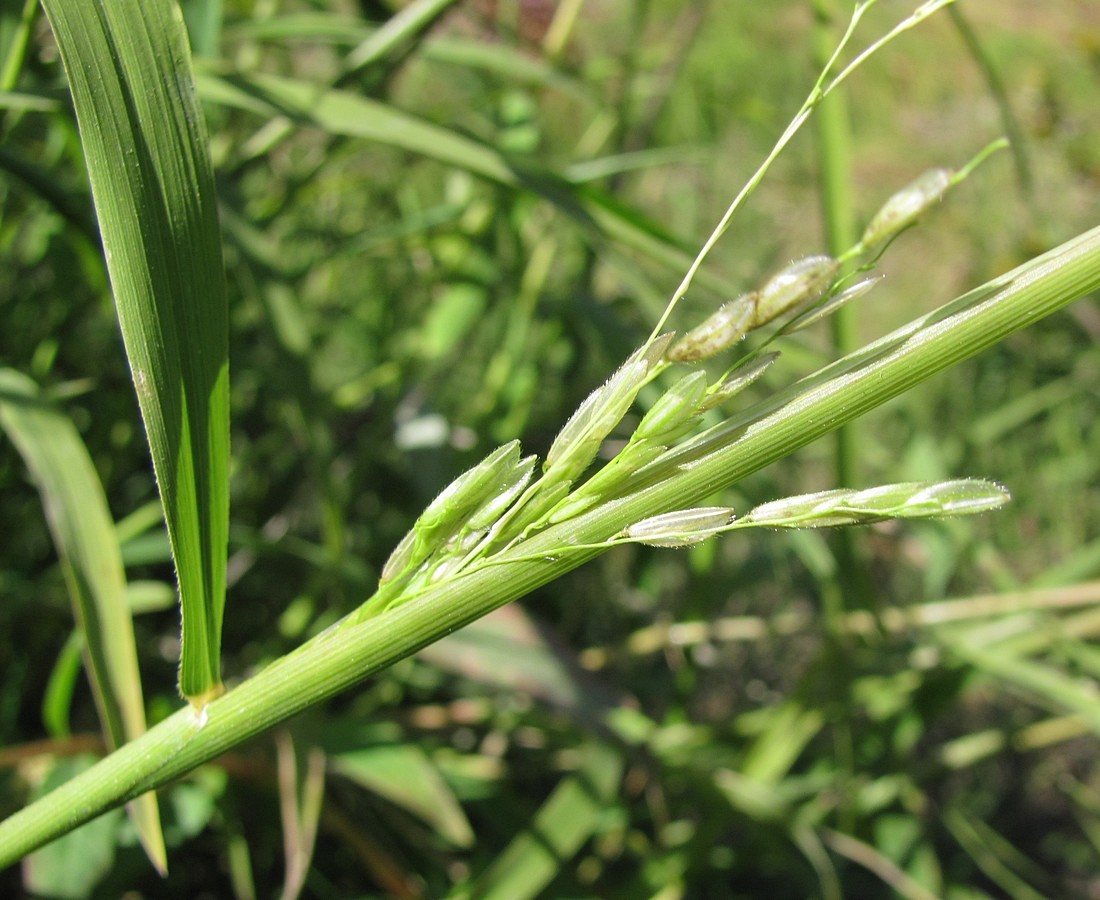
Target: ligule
680, 528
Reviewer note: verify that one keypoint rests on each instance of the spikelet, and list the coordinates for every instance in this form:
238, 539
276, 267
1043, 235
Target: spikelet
579, 440
796, 287
721, 330
906, 206
907, 500
834, 303
676, 410
737, 380
447, 513
680, 528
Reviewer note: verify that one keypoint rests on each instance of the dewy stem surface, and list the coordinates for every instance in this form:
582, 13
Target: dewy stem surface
340, 658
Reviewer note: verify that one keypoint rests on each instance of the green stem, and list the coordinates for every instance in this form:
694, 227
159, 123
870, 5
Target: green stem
834, 161
1016, 138
828, 81
17, 46
341, 658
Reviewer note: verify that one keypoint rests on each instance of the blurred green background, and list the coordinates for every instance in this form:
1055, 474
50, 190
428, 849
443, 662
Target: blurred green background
395, 314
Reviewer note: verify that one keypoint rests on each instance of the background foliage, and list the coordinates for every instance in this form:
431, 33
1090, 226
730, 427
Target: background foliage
395, 314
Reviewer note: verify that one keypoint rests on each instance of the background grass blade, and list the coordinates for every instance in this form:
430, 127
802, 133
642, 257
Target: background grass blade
404, 775
17, 29
565, 821
84, 534
145, 144
343, 113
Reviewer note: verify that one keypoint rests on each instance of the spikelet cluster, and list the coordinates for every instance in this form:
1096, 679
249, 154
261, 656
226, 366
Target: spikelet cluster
499, 502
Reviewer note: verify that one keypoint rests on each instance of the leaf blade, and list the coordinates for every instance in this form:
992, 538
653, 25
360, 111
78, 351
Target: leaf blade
152, 183
87, 545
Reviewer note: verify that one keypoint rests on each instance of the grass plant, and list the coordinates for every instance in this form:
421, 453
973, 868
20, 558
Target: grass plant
762, 714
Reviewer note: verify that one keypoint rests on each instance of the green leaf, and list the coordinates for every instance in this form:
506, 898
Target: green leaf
84, 534
58, 699
51, 872
145, 144
343, 113
204, 24
1050, 686
790, 728
403, 774
510, 650
562, 825
15, 32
